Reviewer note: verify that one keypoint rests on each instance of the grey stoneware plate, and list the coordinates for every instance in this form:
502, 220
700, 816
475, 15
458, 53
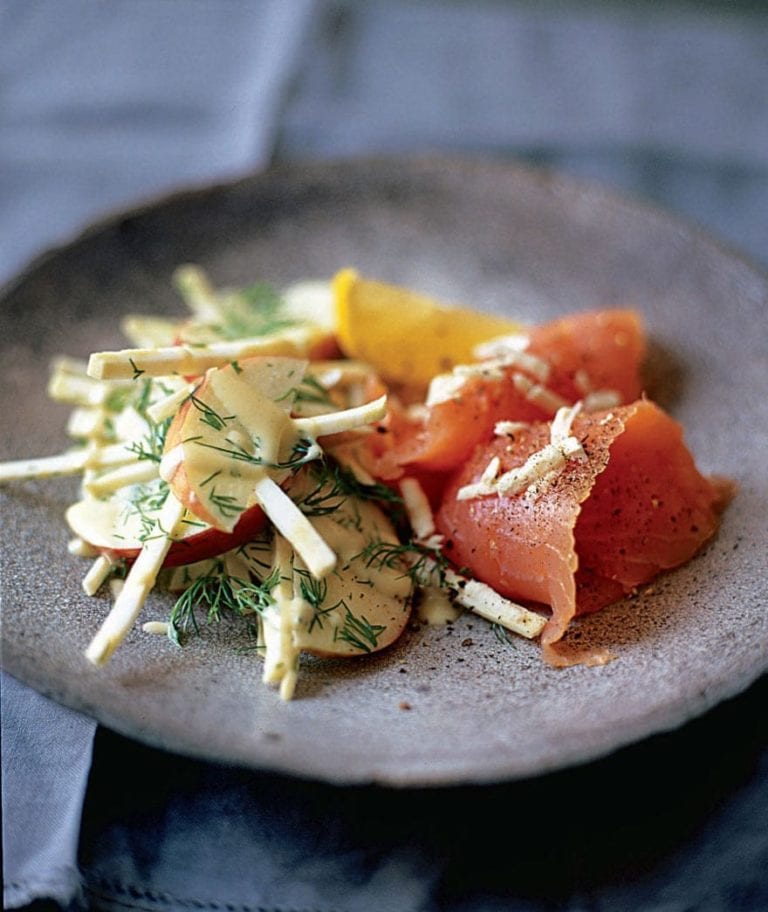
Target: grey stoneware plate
448, 704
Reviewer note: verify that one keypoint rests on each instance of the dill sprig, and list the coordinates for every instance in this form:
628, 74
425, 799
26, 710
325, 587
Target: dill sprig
257, 552
225, 503
137, 371
426, 566
150, 447
252, 311
314, 592
217, 595
146, 501
503, 636
138, 395
309, 390
312, 390
210, 416
119, 399
334, 484
359, 632
304, 450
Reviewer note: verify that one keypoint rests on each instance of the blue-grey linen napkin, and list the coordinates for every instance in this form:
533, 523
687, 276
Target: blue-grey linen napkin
106, 102
46, 760
103, 103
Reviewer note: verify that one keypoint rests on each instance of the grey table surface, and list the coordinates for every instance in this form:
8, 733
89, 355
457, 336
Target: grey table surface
102, 104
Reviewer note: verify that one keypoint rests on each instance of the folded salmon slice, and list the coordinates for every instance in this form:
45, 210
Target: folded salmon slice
603, 525
586, 352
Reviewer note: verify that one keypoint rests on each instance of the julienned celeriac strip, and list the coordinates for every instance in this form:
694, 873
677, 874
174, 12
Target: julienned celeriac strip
138, 584
540, 468
184, 359
224, 457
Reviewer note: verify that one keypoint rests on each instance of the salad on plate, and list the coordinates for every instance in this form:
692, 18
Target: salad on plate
319, 462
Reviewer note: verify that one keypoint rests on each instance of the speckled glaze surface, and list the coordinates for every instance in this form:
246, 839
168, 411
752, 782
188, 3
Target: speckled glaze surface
490, 235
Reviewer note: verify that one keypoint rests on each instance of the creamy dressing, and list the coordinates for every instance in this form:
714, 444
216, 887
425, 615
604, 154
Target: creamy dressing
113, 524
259, 422
357, 608
436, 608
233, 433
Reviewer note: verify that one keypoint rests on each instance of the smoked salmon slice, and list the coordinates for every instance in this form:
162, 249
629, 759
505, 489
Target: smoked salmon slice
631, 506
587, 353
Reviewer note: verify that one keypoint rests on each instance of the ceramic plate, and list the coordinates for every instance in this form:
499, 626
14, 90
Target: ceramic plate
445, 705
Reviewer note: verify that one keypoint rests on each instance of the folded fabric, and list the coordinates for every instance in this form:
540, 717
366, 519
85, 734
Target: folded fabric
46, 758
127, 102
106, 104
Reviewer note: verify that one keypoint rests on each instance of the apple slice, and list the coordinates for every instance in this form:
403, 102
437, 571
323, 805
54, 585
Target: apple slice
360, 608
216, 453
114, 529
234, 442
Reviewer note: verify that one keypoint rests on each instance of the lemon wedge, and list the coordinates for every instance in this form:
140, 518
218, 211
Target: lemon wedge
406, 336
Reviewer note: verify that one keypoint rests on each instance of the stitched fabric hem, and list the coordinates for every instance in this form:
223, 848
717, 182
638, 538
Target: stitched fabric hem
63, 884
109, 895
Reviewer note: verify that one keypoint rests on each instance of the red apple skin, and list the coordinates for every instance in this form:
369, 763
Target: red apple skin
211, 541
201, 545
207, 543
178, 481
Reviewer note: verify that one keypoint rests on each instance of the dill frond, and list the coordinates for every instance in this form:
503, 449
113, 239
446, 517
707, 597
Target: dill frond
217, 595
359, 632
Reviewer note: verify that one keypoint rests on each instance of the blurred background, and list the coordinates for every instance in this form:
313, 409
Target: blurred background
108, 103
105, 102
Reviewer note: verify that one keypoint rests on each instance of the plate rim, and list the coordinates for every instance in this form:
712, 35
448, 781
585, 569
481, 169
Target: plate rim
546, 176
143, 203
